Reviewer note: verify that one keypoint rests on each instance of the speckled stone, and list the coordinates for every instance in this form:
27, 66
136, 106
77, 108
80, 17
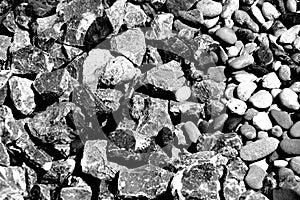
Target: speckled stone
237, 106
259, 149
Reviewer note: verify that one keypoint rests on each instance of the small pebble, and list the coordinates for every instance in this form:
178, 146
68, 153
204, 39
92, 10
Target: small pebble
276, 131
227, 35
290, 146
269, 11
281, 118
262, 134
262, 121
219, 122
295, 87
295, 130
259, 149
262, 164
183, 93
242, 61
245, 77
280, 163
284, 173
216, 73
271, 81
250, 113
261, 99
191, 132
245, 90
291, 5
264, 56
256, 12
289, 99
275, 92
288, 36
248, 131
232, 51
209, 8
237, 106
255, 177
284, 73
295, 164
229, 91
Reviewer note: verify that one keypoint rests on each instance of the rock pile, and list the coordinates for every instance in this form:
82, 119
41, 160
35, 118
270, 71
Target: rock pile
156, 99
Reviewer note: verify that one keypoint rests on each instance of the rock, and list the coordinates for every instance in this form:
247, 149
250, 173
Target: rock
107, 100
264, 56
208, 90
252, 195
52, 84
281, 118
22, 94
276, 131
131, 44
271, 81
262, 121
245, 90
187, 111
40, 191
284, 73
219, 122
216, 73
229, 7
226, 35
250, 113
164, 137
210, 23
173, 6
280, 163
183, 93
269, 11
147, 181
116, 13
257, 14
134, 16
161, 27
117, 70
295, 164
290, 146
13, 182
295, 87
242, 62
282, 193
244, 20
5, 43
261, 99
168, 77
262, 134
232, 123
245, 77
21, 39
4, 77
244, 34
295, 130
94, 160
291, 5
248, 131
4, 160
288, 37
237, 106
209, 8
289, 99
258, 149
255, 177
232, 51
83, 192
191, 132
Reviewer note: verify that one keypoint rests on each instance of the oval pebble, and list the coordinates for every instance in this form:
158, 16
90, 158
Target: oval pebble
280, 163
289, 99
281, 118
237, 106
291, 5
245, 89
183, 93
227, 35
295, 130
209, 8
242, 61
255, 177
261, 99
295, 164
248, 131
290, 146
259, 149
191, 132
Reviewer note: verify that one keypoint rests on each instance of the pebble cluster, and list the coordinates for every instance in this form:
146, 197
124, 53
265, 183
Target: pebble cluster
155, 99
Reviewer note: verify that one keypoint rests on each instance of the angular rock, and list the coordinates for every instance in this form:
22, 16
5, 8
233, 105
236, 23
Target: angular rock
281, 118
83, 192
161, 27
146, 181
94, 160
269, 11
216, 73
5, 43
4, 77
208, 90
259, 149
22, 94
186, 111
40, 191
21, 40
168, 77
131, 44
284, 73
290, 35
116, 14
134, 16
4, 160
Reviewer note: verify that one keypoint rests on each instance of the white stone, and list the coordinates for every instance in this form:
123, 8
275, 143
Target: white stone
261, 99
262, 164
237, 106
183, 93
262, 121
245, 90
289, 99
245, 77
280, 163
289, 36
269, 11
257, 14
271, 81
232, 51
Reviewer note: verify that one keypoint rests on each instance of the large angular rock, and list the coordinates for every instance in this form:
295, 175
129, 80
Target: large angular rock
161, 27
52, 84
22, 94
134, 16
208, 90
116, 14
108, 99
83, 192
186, 111
4, 77
31, 60
12, 181
21, 40
150, 114
168, 77
5, 43
131, 44
146, 181
94, 160
4, 159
